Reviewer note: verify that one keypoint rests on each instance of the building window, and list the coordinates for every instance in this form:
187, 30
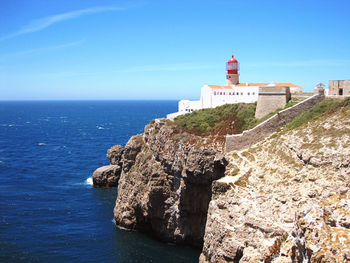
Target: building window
241, 93
214, 92
253, 93
248, 93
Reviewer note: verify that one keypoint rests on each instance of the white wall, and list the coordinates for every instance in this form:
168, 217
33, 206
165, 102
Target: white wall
206, 98
211, 98
187, 106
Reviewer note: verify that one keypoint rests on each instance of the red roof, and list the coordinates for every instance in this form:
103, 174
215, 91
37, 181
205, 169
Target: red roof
220, 87
231, 60
280, 84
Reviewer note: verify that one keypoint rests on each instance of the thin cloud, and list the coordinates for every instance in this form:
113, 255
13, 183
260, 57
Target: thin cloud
168, 67
40, 50
304, 63
42, 23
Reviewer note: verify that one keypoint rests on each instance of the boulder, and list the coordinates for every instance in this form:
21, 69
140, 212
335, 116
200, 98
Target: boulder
107, 176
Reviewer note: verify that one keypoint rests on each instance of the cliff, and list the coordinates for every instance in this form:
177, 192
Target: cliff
165, 182
286, 199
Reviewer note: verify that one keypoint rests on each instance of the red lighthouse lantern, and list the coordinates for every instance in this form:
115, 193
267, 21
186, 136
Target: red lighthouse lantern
232, 66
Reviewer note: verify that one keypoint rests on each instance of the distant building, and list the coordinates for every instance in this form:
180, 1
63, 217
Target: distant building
339, 87
319, 87
233, 92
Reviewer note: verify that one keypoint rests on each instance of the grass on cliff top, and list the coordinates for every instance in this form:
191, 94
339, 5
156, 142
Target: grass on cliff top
225, 119
228, 118
324, 107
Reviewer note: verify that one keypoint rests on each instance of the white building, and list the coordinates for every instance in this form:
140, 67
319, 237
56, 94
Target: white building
234, 92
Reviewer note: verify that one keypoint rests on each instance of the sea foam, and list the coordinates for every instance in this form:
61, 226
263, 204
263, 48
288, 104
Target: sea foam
89, 181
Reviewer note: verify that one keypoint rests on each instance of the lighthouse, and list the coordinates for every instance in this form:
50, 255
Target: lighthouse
233, 92
232, 76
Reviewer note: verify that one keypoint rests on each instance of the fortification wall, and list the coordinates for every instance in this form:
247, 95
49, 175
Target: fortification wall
266, 128
271, 99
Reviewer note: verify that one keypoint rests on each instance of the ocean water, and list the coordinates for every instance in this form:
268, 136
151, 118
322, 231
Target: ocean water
49, 211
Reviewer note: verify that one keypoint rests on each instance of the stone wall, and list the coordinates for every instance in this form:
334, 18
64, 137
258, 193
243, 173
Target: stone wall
339, 87
270, 99
266, 128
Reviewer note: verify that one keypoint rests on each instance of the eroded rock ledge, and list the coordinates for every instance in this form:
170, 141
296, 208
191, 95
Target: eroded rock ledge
286, 199
165, 183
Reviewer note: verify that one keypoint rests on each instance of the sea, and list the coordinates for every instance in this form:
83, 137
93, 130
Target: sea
49, 209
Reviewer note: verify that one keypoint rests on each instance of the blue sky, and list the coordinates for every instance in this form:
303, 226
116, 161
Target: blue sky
99, 49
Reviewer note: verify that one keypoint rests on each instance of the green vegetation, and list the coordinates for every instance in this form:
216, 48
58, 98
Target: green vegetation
324, 107
228, 118
225, 119
244, 179
287, 159
249, 156
236, 118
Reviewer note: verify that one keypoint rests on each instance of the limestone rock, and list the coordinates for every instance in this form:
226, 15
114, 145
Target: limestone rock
320, 234
165, 184
286, 199
114, 154
107, 175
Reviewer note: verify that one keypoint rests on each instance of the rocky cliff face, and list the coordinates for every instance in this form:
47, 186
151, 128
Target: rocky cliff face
108, 176
165, 183
286, 199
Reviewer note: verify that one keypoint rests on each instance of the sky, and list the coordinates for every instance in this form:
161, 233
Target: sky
162, 49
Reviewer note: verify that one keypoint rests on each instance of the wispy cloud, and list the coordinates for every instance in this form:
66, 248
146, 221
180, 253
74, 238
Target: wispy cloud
42, 23
40, 50
168, 67
303, 63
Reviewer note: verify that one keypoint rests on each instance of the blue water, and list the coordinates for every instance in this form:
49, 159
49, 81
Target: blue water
48, 211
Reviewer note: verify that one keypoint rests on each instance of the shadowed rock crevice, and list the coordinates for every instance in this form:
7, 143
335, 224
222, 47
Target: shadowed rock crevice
165, 183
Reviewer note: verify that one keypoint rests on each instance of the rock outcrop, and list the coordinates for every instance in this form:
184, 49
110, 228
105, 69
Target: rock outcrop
165, 184
321, 233
107, 176
286, 199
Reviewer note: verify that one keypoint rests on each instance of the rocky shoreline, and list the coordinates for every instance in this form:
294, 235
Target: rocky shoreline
285, 199
165, 183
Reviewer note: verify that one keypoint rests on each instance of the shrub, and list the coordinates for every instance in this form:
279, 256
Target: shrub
324, 107
228, 118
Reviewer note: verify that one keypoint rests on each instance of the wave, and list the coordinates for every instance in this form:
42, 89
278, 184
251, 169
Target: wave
89, 181
100, 127
8, 125
41, 144
120, 227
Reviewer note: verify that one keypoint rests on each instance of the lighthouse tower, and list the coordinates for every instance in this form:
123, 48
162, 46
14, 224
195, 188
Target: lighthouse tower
232, 67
